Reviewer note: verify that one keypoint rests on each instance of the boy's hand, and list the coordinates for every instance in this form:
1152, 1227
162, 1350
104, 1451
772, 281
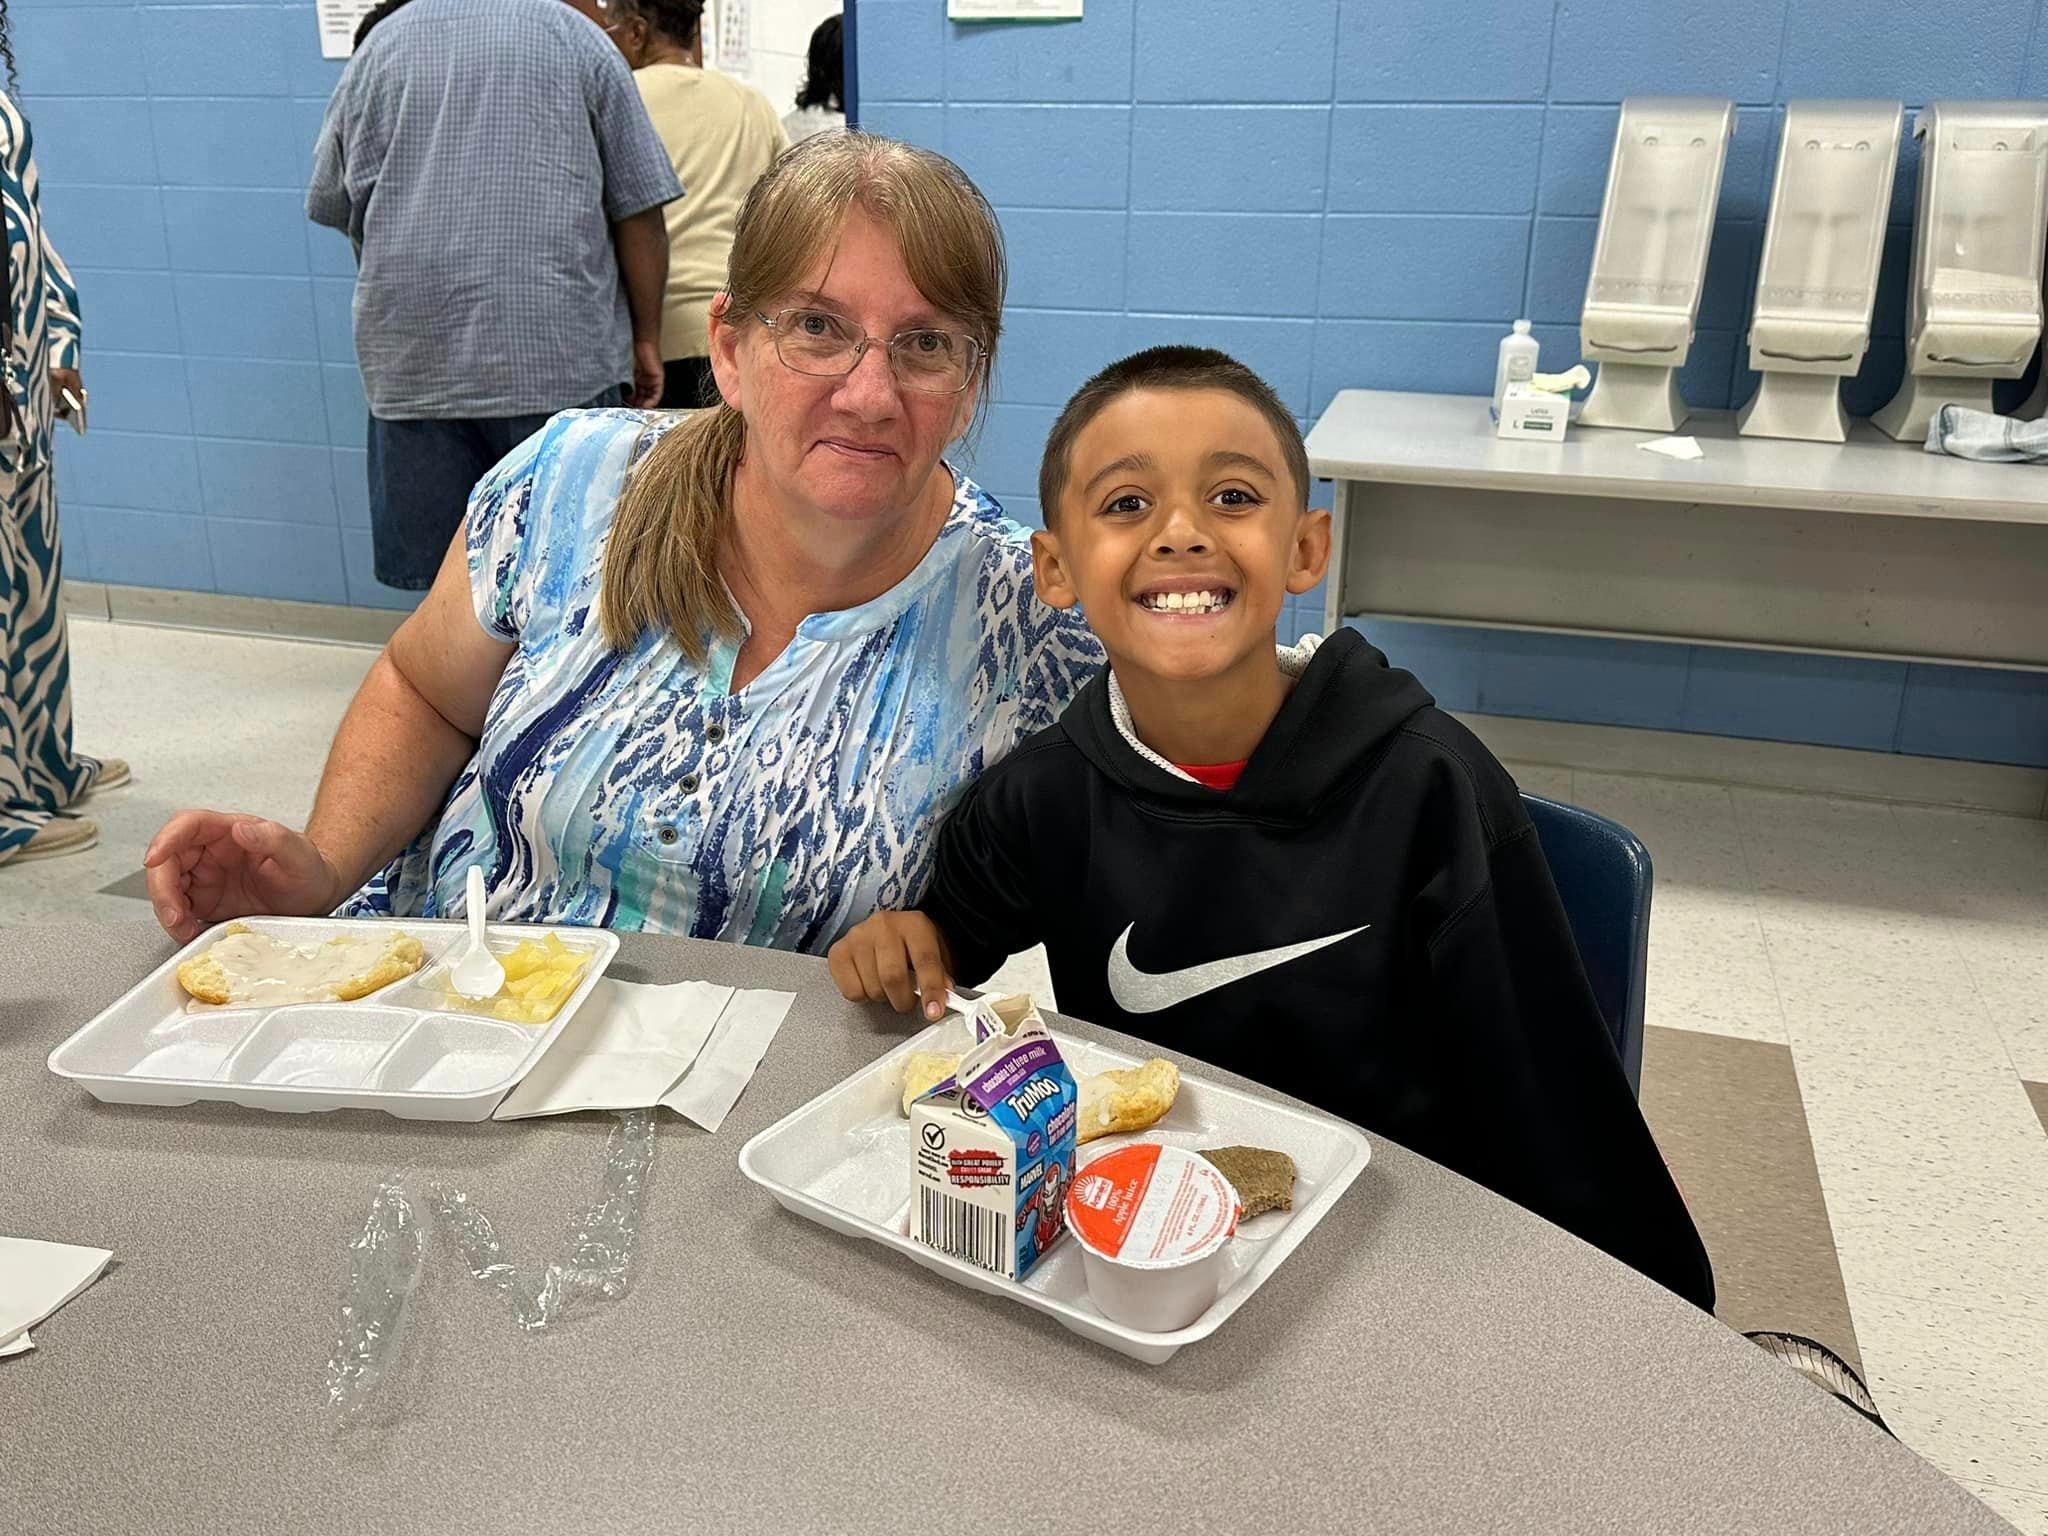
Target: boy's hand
893, 957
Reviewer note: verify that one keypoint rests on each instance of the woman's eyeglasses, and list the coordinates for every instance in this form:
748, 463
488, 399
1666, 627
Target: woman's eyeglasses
824, 346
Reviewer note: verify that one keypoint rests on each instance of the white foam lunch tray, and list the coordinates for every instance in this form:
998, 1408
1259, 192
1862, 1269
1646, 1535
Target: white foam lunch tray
395, 1050
844, 1160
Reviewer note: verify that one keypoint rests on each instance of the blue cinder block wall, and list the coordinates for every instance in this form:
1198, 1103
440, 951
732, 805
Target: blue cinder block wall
226, 443
1370, 191
1364, 193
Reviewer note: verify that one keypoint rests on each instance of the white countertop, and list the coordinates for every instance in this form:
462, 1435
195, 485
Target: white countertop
1448, 440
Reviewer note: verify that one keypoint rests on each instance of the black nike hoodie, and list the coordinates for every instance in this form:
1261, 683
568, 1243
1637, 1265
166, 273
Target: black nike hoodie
1365, 921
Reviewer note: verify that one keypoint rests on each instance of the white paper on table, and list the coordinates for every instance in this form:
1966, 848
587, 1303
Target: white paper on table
722, 1071
627, 1045
21, 1344
1675, 447
36, 1278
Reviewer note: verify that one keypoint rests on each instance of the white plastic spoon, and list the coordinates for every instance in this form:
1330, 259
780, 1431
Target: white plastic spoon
476, 972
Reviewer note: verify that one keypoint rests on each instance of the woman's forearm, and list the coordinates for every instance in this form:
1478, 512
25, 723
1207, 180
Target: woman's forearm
387, 775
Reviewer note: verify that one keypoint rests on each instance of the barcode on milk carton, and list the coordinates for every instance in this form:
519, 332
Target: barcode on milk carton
965, 1231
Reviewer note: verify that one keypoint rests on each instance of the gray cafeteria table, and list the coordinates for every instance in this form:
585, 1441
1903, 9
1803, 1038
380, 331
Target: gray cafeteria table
1432, 1359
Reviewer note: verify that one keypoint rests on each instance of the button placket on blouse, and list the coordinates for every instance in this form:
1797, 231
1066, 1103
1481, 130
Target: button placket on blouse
669, 833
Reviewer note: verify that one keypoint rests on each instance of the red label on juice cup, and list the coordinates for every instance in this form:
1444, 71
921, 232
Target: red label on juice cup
1150, 1204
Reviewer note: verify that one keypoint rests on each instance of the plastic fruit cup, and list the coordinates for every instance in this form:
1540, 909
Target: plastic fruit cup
1154, 1224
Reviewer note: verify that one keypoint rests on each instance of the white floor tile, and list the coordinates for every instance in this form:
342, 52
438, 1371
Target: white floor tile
1709, 967
1988, 878
1690, 829
1544, 779
1931, 1235
1970, 1119
1807, 850
1984, 868
233, 721
2013, 986
1962, 1386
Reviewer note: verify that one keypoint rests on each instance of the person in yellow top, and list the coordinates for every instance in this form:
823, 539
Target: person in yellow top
721, 135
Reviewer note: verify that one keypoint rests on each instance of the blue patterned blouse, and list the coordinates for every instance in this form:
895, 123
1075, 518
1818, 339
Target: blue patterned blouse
636, 790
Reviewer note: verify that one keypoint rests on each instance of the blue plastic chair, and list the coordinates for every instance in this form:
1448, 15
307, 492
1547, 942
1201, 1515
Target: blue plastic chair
1603, 874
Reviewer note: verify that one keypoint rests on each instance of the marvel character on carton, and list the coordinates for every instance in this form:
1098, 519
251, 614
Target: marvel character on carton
991, 1145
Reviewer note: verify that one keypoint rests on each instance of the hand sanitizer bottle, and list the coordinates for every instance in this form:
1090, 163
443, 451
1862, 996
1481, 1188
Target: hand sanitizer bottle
1517, 362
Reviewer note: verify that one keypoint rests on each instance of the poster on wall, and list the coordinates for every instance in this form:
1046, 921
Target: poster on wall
735, 37
1013, 10
338, 22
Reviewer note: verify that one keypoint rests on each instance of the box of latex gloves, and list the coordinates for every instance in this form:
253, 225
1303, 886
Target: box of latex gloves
994, 1145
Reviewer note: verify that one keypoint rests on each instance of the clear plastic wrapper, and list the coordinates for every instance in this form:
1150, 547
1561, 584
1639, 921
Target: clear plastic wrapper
382, 1261
380, 1269
596, 1248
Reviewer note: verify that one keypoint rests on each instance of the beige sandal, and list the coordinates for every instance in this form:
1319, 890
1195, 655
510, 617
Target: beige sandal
114, 772
57, 837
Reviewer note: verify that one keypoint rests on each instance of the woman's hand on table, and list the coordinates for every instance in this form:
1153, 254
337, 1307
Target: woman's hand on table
205, 867
896, 958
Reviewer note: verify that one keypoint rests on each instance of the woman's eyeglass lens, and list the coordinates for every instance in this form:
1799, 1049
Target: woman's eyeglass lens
823, 345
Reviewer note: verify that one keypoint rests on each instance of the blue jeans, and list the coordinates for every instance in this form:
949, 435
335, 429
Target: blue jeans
421, 474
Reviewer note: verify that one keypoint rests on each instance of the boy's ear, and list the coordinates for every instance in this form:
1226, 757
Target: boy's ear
1055, 586
1311, 554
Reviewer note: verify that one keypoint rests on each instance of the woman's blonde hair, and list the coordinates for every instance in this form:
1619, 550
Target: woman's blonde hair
661, 568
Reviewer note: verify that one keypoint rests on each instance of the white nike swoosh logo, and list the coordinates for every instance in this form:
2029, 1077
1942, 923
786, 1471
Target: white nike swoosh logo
1137, 991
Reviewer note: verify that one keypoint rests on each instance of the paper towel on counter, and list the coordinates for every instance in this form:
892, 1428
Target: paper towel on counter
1675, 447
1574, 377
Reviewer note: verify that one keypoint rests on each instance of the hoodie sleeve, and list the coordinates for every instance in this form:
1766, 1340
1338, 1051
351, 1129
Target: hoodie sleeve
981, 894
1557, 1129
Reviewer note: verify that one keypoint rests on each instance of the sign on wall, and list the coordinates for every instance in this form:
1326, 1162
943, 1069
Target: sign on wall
735, 37
338, 22
1013, 10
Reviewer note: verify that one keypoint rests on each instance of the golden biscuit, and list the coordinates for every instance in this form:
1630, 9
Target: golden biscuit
202, 976
246, 967
1126, 1100
925, 1071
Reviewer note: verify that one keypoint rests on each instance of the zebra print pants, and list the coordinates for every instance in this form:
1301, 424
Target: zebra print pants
39, 773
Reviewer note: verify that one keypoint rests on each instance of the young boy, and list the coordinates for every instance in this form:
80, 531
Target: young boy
1287, 862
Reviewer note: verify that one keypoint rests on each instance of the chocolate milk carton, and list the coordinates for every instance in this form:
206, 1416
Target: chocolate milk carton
993, 1147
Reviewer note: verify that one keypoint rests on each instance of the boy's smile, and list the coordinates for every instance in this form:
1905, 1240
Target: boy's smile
1180, 532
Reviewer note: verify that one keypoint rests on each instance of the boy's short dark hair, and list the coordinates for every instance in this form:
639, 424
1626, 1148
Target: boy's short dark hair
1166, 368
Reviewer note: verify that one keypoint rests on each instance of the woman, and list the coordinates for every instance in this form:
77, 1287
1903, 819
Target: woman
371, 17
717, 674
721, 134
821, 104
40, 776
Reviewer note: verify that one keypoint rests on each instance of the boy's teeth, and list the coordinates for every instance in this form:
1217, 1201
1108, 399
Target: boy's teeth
1185, 602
